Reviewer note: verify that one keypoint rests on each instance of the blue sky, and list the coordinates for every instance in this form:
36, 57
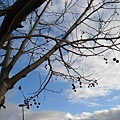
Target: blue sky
100, 102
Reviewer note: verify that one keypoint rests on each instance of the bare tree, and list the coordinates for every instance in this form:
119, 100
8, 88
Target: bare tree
58, 32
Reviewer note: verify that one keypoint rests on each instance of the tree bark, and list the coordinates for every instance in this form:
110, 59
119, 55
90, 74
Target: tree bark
20, 10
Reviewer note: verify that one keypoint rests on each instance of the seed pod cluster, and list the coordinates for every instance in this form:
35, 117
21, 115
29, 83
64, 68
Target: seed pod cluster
27, 101
114, 59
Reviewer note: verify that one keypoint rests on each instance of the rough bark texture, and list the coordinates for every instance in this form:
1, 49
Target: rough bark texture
16, 14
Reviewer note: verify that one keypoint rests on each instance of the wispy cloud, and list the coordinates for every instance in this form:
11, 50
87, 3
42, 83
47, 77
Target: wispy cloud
115, 98
109, 74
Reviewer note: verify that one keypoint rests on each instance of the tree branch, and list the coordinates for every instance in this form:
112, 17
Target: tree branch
34, 65
18, 54
20, 10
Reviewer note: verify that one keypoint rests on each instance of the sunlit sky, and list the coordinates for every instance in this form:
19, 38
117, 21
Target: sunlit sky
101, 102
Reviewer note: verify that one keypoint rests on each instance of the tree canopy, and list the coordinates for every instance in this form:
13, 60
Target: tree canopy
45, 33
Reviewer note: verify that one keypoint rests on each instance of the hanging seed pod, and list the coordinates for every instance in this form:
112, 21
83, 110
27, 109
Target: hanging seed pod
117, 61
73, 87
35, 103
19, 87
80, 83
114, 59
37, 106
74, 90
80, 86
39, 103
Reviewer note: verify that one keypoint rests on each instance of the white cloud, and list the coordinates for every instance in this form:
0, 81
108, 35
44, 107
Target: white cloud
13, 112
109, 74
85, 93
114, 98
112, 114
45, 115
